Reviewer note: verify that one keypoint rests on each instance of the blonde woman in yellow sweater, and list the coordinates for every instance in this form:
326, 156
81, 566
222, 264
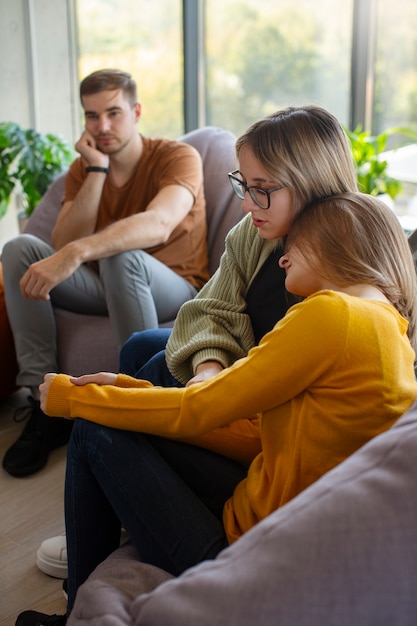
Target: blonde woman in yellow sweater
303, 151
337, 370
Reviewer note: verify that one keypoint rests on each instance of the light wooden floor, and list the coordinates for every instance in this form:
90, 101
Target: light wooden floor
31, 510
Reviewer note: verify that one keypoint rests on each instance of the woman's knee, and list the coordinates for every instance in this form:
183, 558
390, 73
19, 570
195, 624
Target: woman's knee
89, 441
103, 449
79, 431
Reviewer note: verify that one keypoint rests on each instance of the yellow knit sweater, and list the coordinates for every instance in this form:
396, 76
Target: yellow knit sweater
333, 373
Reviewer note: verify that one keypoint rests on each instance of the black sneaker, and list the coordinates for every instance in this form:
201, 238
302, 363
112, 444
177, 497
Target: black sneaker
41, 435
34, 618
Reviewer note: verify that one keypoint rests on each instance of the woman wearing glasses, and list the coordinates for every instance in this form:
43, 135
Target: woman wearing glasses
286, 160
337, 370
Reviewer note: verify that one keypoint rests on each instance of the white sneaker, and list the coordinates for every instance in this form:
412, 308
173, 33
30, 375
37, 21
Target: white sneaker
51, 557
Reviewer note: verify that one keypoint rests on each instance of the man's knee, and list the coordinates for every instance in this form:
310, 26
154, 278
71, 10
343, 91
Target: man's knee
124, 263
19, 253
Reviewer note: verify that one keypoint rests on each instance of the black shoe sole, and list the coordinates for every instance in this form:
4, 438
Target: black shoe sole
21, 472
41, 434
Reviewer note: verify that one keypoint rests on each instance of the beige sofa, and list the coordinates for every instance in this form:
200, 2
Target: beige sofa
86, 343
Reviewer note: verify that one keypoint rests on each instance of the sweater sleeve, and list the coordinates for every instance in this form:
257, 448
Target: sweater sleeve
288, 360
214, 325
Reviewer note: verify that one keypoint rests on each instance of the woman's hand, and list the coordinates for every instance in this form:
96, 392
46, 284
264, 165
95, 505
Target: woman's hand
44, 389
101, 378
204, 371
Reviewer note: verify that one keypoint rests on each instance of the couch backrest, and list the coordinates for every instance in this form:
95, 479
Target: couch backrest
217, 150
223, 207
42, 220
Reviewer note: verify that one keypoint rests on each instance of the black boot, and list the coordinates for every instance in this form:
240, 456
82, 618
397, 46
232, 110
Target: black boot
34, 618
41, 435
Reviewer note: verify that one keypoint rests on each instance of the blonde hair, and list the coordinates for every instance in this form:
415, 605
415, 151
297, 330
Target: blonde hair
354, 238
109, 80
304, 148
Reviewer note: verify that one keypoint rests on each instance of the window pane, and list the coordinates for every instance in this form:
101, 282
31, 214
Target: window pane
395, 95
263, 55
145, 39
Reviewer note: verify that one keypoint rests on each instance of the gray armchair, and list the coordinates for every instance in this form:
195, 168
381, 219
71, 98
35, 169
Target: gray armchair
86, 343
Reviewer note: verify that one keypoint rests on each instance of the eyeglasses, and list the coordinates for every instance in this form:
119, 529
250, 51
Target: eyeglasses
260, 196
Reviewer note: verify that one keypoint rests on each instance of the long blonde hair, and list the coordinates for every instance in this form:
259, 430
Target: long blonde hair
354, 238
304, 148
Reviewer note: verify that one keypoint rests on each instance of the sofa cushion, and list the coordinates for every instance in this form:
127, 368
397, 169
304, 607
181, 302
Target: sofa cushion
43, 219
343, 552
217, 149
108, 596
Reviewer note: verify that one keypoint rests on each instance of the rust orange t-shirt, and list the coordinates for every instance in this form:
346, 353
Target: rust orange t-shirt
163, 162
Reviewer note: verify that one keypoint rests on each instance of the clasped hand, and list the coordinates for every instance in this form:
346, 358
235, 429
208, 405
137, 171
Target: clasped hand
41, 277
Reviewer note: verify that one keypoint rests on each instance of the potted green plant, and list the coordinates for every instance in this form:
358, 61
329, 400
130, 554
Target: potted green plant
371, 166
29, 162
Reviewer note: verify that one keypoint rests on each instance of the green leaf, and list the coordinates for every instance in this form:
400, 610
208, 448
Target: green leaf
30, 160
371, 168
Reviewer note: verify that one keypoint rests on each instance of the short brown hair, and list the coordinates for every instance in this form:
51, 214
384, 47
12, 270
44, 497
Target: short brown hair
109, 79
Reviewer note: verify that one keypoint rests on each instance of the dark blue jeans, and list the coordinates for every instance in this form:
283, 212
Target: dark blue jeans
168, 495
143, 356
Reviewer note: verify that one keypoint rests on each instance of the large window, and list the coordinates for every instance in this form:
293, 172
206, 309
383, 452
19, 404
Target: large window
257, 56
263, 55
395, 96
145, 39
395, 67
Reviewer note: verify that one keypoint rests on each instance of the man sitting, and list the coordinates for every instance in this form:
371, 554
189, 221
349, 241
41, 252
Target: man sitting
130, 242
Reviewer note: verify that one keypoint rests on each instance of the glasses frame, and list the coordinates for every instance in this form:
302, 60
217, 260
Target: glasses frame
249, 189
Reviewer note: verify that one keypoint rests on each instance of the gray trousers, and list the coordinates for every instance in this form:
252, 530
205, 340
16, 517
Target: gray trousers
136, 290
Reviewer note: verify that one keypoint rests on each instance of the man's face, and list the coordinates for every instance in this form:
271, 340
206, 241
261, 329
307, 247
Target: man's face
110, 119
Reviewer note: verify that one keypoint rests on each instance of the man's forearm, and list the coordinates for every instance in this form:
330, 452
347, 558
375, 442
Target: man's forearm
138, 231
78, 218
